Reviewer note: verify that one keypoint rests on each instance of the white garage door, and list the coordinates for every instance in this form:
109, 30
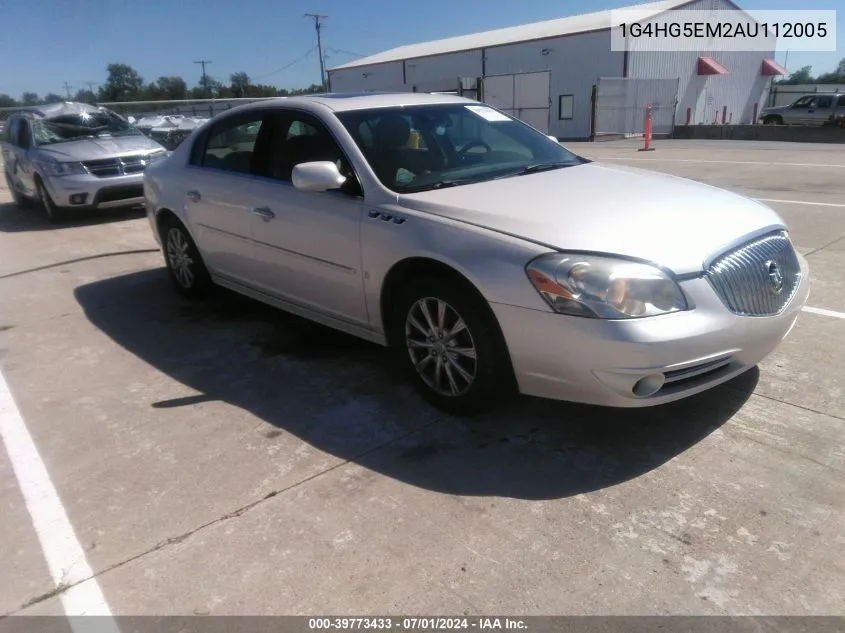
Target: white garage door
523, 95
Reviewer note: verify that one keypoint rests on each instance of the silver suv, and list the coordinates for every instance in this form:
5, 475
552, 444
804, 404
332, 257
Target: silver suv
73, 155
813, 109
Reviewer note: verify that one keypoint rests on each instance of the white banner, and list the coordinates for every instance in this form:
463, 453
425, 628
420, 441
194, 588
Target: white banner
723, 30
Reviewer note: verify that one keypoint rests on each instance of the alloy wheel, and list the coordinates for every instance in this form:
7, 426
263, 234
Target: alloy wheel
47, 202
441, 346
179, 257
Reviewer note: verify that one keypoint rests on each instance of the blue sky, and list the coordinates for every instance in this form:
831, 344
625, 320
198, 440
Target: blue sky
47, 42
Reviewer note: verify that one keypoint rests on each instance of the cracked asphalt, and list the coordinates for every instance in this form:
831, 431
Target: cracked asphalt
227, 458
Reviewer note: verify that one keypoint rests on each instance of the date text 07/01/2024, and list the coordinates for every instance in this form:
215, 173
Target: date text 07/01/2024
415, 623
725, 29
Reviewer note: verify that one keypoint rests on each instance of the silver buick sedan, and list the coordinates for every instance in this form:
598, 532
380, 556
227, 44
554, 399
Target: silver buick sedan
486, 255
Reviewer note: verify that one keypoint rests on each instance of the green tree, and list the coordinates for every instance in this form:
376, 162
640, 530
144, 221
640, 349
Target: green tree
171, 87
85, 96
310, 90
8, 102
207, 88
30, 99
803, 75
836, 77
240, 84
52, 97
123, 84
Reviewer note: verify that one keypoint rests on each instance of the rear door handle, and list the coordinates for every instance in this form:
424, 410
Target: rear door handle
194, 195
265, 213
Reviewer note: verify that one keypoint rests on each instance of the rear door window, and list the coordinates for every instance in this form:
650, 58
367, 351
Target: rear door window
231, 144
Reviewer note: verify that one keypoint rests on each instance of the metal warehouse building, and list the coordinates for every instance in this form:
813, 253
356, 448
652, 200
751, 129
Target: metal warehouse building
562, 77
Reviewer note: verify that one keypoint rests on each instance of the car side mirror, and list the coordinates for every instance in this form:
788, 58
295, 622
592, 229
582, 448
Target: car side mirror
322, 175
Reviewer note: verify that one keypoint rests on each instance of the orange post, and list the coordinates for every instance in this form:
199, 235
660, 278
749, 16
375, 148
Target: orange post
647, 131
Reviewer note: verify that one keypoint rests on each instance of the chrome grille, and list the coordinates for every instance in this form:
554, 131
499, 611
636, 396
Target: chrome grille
110, 167
758, 278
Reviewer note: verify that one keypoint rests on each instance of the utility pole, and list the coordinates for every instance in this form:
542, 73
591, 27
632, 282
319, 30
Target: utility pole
67, 90
318, 25
203, 63
91, 85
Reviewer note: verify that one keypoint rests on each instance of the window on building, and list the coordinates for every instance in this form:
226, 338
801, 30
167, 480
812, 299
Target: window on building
566, 104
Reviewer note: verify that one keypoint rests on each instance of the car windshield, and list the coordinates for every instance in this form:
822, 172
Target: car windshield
424, 147
73, 127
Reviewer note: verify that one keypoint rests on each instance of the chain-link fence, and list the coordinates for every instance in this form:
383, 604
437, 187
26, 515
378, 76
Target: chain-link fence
620, 103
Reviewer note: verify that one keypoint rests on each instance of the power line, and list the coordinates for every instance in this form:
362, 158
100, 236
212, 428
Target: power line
340, 50
203, 63
286, 66
67, 90
318, 25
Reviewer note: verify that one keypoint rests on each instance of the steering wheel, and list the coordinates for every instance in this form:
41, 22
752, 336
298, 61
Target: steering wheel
477, 143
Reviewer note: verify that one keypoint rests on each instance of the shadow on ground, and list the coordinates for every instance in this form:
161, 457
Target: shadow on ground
31, 218
341, 395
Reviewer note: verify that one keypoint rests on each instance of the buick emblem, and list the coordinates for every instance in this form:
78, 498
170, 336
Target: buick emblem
775, 277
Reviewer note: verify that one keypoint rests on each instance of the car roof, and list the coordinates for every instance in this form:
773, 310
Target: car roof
61, 108
347, 101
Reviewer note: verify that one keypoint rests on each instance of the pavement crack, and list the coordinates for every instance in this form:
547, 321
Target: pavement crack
55, 591
175, 540
812, 251
77, 260
800, 406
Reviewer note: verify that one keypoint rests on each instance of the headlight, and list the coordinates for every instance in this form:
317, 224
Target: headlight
56, 168
604, 287
154, 157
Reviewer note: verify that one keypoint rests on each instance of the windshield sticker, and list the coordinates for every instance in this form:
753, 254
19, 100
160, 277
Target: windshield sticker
486, 113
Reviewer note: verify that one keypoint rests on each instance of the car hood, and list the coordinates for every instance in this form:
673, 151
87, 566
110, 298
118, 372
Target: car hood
671, 221
94, 148
774, 109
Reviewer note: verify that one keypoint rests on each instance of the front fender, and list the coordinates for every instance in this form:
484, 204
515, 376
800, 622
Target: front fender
492, 262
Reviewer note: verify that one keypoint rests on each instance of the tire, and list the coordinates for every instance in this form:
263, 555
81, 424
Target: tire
773, 120
53, 213
463, 385
20, 201
183, 260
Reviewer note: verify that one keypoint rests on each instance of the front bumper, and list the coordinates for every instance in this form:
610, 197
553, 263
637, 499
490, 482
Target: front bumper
600, 362
97, 193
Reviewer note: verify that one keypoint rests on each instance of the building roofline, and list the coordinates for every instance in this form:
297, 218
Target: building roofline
668, 5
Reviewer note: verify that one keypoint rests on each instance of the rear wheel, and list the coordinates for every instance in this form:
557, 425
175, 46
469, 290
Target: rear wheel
448, 341
53, 213
183, 260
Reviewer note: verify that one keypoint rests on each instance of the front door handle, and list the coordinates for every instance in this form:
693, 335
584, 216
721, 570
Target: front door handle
194, 195
265, 213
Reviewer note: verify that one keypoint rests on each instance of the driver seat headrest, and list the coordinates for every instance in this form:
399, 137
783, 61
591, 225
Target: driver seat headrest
392, 131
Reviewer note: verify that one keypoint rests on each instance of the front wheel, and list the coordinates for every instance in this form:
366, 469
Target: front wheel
184, 262
773, 120
449, 342
52, 212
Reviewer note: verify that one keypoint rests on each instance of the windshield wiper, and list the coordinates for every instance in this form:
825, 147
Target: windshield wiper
443, 184
538, 167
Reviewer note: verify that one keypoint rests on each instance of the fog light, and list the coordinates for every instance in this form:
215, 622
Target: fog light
78, 198
648, 385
